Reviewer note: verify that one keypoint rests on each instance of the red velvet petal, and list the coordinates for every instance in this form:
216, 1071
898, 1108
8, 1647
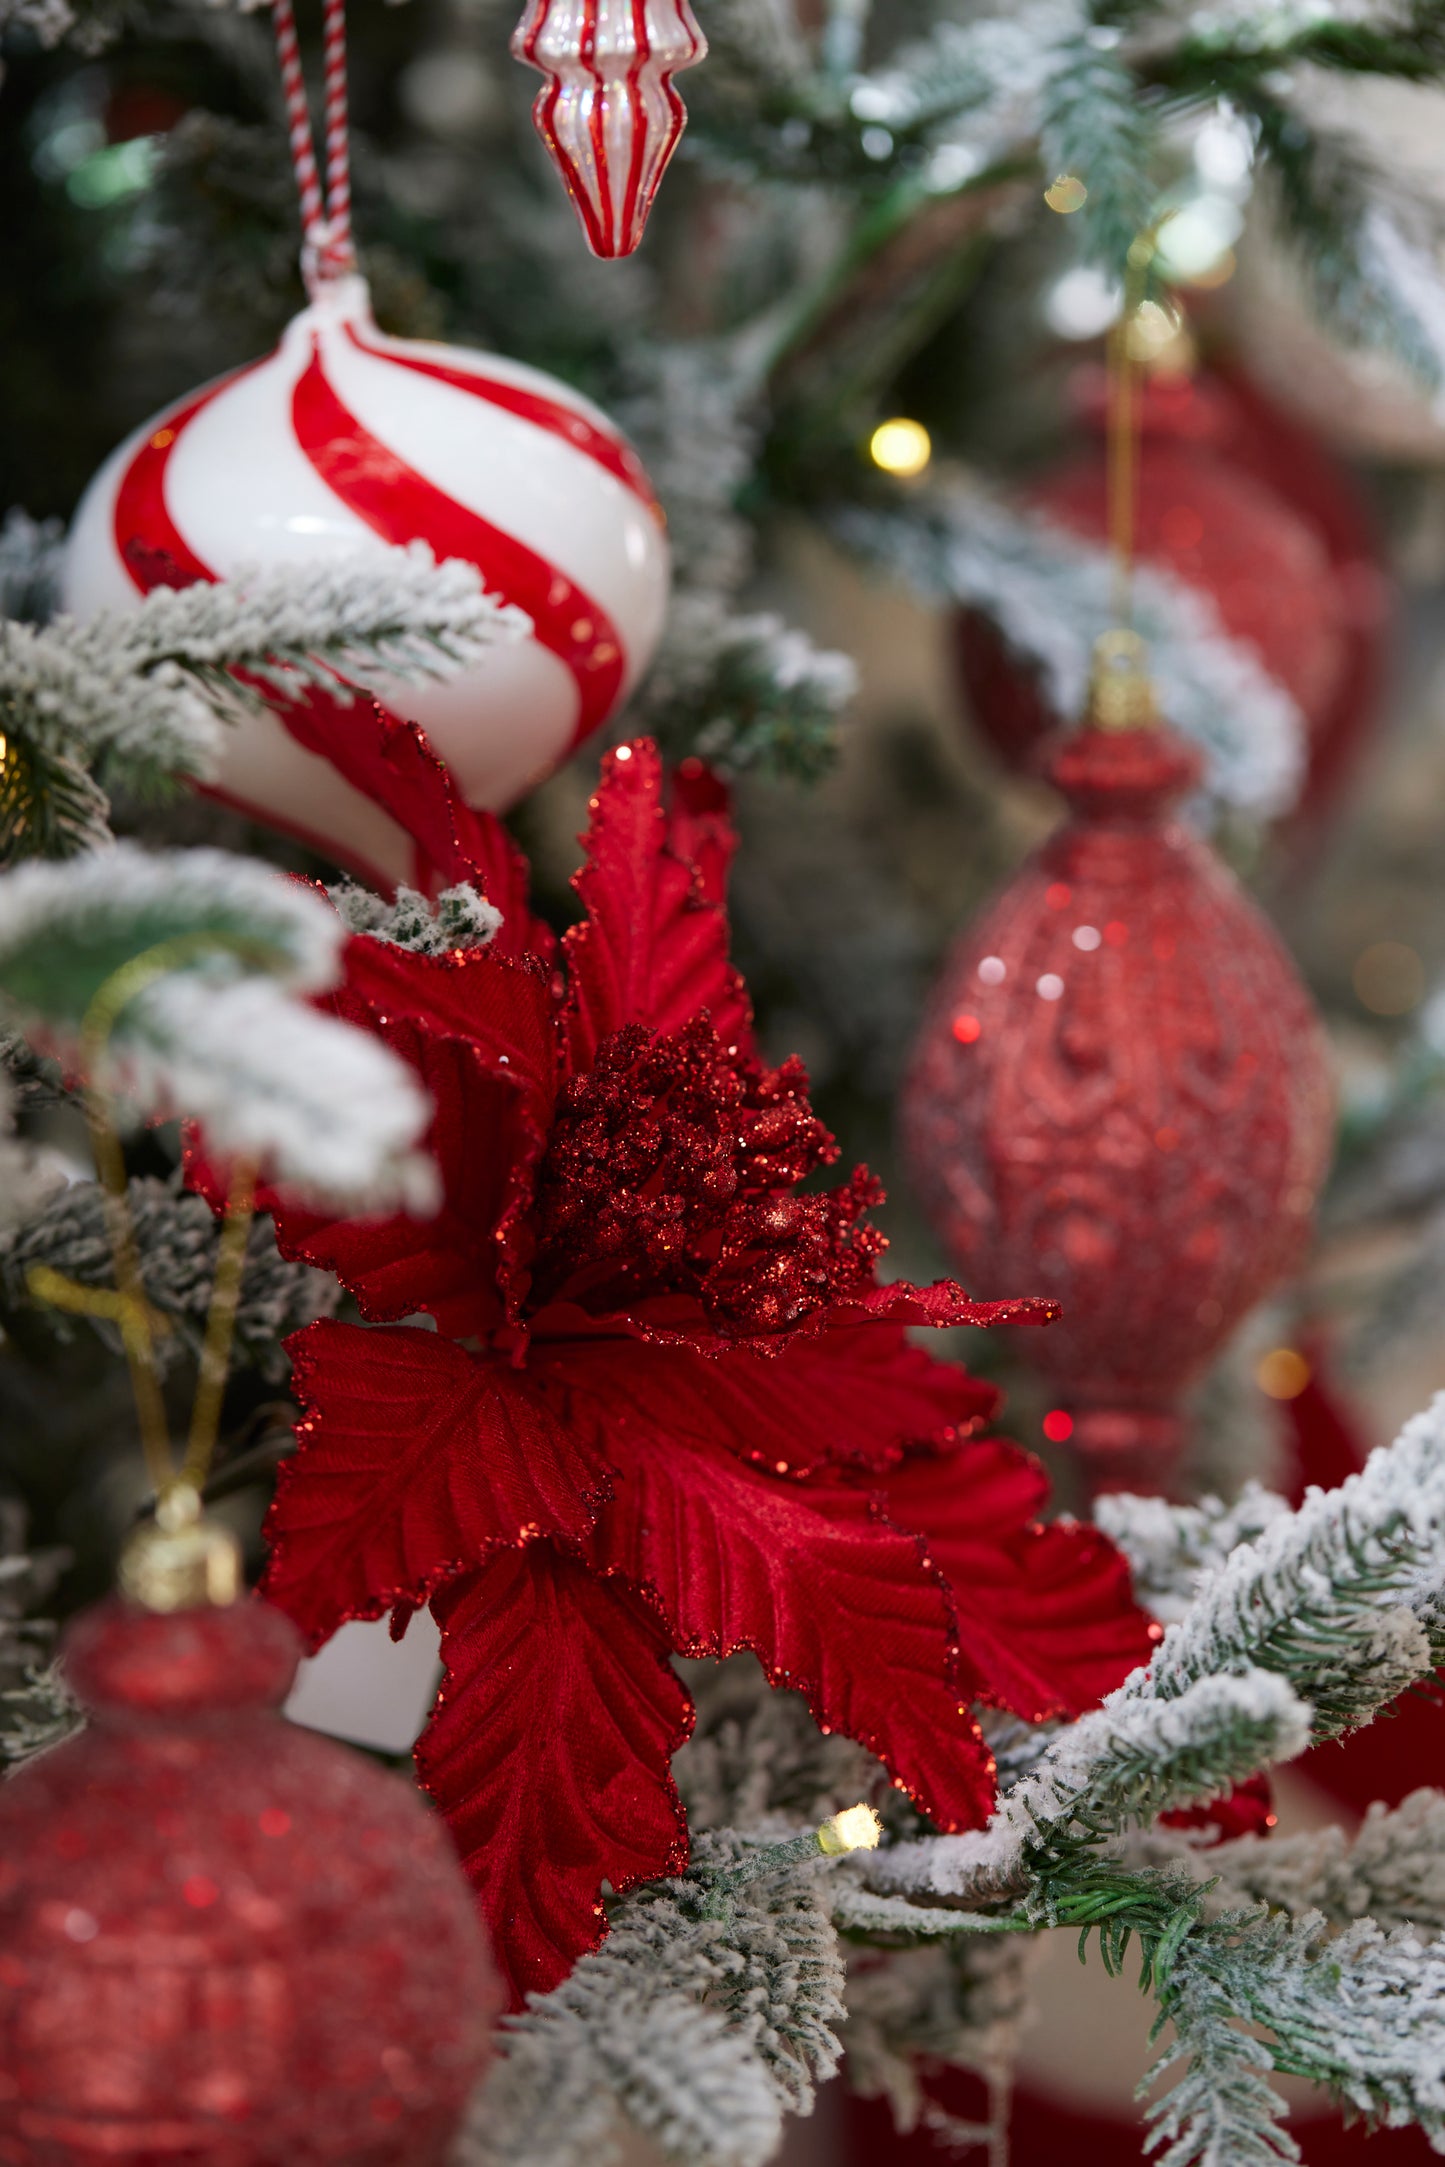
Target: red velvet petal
479, 1033
679, 1320
700, 829
549, 1754
845, 1401
416, 1460
391, 762
448, 1265
834, 1602
1247, 1810
941, 1304
651, 949
1045, 1614
500, 1005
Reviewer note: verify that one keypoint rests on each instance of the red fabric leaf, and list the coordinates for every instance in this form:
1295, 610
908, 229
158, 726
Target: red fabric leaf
391, 762
700, 830
844, 1401
651, 949
1046, 1615
1247, 1810
942, 1303
415, 1459
479, 1034
834, 1602
500, 1005
549, 1753
680, 1320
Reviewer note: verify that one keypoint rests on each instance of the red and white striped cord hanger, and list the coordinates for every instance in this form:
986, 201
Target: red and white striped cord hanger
327, 249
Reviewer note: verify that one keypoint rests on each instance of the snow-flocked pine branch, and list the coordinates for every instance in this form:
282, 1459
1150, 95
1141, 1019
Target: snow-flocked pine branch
176, 1238
1050, 595
745, 692
702, 2026
1171, 1547
224, 1034
143, 696
459, 918
1342, 1598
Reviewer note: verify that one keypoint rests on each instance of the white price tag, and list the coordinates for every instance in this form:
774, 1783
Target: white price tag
368, 1688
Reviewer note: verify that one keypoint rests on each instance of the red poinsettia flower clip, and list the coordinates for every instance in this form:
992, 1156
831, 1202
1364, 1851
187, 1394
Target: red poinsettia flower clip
667, 1406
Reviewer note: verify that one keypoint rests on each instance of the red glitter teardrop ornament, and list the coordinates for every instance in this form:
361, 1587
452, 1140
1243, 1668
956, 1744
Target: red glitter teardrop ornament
225, 1942
1241, 503
1119, 1098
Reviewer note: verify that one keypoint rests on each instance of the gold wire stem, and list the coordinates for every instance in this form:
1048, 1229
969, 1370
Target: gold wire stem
220, 1326
133, 1309
112, 996
1123, 423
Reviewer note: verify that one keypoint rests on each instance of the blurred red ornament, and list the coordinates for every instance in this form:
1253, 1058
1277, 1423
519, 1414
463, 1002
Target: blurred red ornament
225, 1942
1237, 500
609, 115
1140, 1123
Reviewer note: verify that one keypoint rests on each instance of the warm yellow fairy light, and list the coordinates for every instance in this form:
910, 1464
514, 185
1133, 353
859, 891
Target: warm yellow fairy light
856, 1828
1066, 195
1283, 1373
900, 446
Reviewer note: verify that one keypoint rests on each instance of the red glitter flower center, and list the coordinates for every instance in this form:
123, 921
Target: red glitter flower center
670, 1169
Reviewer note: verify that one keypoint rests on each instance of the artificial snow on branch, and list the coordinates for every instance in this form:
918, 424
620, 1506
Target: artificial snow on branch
1128, 1761
30, 554
144, 696
1171, 1547
702, 2021
220, 1033
1391, 1870
36, 1708
745, 692
1050, 594
713, 2006
1343, 1597
459, 917
29, 1177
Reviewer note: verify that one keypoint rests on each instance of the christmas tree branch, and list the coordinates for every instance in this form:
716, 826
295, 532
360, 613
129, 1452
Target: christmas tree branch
219, 1029
176, 1238
745, 693
144, 696
701, 2023
1049, 593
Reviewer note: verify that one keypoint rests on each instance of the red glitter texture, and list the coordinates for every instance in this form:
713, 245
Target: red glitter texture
659, 1411
1147, 1146
225, 1942
1237, 500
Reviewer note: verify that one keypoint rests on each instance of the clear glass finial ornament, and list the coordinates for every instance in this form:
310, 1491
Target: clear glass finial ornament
609, 113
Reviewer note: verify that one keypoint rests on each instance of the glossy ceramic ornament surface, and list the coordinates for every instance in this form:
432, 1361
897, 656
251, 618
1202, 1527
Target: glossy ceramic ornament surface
1118, 1098
344, 440
609, 113
225, 1942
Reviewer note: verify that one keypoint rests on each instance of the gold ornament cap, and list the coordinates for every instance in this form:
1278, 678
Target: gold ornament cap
182, 1560
1121, 692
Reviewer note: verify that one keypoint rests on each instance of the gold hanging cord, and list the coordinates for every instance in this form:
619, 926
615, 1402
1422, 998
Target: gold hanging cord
126, 1305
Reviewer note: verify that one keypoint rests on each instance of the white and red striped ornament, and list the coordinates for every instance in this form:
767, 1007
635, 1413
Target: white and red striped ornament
609, 114
344, 440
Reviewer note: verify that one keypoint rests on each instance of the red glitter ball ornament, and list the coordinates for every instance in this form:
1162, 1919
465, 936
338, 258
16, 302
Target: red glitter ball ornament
224, 1940
1139, 1125
1239, 502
